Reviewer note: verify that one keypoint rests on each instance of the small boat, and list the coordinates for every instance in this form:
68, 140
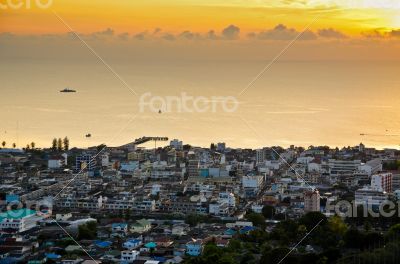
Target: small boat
67, 90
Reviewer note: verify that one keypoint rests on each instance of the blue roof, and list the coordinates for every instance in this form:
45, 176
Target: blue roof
161, 259
247, 229
103, 244
135, 241
12, 198
52, 256
151, 245
230, 232
119, 225
8, 260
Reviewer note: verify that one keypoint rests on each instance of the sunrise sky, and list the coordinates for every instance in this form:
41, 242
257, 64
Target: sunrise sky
350, 16
338, 80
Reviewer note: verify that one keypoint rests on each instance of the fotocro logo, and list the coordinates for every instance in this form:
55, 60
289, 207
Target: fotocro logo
187, 104
25, 4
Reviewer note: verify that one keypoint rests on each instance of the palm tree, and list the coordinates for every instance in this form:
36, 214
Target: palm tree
3, 144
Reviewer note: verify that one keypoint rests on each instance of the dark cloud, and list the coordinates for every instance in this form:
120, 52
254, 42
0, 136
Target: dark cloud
395, 33
187, 35
231, 32
381, 34
108, 32
156, 31
211, 35
124, 36
140, 36
169, 37
331, 33
282, 32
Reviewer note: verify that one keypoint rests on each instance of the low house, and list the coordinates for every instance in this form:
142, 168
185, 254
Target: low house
179, 229
164, 242
194, 248
119, 229
132, 244
140, 226
19, 220
129, 256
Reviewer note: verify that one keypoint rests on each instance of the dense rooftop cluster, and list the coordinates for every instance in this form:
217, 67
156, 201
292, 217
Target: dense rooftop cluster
181, 203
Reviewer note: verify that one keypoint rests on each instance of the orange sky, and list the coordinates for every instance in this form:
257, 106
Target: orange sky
339, 81
199, 16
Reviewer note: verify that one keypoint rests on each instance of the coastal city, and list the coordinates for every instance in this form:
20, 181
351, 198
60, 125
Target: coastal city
185, 204
200, 132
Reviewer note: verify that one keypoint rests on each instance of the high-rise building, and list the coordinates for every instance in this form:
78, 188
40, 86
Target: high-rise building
221, 147
260, 156
176, 144
312, 201
85, 163
193, 165
382, 182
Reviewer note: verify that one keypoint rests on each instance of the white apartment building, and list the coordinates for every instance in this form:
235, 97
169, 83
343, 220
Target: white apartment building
129, 256
382, 182
218, 209
252, 182
343, 166
228, 198
260, 156
19, 220
371, 167
369, 196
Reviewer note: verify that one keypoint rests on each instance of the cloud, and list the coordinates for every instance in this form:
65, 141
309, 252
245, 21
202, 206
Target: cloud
6, 35
231, 32
395, 33
211, 35
156, 31
282, 32
169, 37
140, 36
107, 32
381, 34
188, 35
331, 33
123, 36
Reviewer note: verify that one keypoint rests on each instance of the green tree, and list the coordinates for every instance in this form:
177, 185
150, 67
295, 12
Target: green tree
268, 211
87, 231
3, 144
393, 232
33, 145
312, 219
276, 255
257, 219
337, 225
66, 143
59, 144
54, 144
212, 146
194, 219
14, 145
